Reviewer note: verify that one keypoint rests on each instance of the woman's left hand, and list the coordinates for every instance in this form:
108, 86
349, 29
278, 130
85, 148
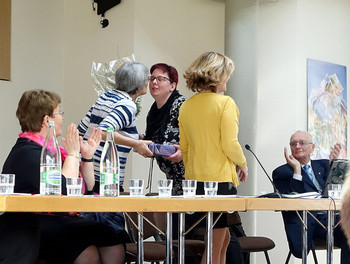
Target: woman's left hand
88, 148
176, 157
242, 173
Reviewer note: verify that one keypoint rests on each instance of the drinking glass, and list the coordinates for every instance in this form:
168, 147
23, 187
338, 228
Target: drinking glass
136, 187
210, 188
334, 191
7, 183
165, 187
189, 188
74, 186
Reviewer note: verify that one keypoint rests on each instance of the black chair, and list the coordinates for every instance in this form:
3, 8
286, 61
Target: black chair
249, 244
253, 244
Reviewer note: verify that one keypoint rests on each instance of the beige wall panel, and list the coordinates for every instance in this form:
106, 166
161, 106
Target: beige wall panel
5, 39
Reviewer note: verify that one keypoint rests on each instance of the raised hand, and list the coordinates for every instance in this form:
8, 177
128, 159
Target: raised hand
71, 140
88, 148
70, 168
293, 162
335, 151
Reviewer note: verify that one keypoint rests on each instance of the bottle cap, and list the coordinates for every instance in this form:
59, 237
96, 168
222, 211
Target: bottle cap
110, 129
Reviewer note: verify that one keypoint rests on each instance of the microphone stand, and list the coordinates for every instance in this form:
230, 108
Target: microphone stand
276, 193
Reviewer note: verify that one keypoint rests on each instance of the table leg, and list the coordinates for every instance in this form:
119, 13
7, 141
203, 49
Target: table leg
330, 237
209, 239
181, 238
140, 252
304, 253
169, 238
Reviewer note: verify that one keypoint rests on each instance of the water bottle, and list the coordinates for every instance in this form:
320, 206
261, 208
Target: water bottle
109, 167
50, 164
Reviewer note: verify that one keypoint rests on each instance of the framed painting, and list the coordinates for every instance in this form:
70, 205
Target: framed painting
327, 106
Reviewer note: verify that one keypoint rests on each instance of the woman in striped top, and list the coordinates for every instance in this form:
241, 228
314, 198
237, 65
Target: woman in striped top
116, 108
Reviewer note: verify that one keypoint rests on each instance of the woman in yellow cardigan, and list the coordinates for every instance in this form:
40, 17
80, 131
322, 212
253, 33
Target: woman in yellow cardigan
209, 144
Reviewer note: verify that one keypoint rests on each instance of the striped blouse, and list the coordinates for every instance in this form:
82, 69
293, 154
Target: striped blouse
112, 109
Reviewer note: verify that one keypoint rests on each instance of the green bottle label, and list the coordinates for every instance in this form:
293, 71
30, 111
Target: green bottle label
109, 178
51, 177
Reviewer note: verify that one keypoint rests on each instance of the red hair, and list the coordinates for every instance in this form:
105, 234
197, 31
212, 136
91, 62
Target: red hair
170, 70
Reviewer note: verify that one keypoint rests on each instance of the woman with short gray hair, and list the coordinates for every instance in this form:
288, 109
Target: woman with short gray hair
117, 108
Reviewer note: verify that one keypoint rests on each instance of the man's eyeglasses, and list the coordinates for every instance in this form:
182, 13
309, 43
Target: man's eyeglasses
300, 142
158, 78
59, 113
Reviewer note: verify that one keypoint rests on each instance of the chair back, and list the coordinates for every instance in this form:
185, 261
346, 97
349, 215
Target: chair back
148, 229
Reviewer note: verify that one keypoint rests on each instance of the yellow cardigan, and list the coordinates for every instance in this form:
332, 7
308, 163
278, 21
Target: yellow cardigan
209, 144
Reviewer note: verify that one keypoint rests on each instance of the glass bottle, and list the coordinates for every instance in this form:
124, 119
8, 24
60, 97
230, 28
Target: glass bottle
109, 167
50, 164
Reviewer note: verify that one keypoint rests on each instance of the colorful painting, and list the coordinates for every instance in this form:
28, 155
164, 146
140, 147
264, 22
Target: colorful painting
327, 106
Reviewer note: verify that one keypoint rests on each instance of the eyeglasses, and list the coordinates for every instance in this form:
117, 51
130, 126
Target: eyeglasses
59, 113
158, 78
300, 142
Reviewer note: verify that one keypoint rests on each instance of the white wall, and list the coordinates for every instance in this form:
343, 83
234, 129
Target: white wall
176, 35
55, 42
36, 60
270, 42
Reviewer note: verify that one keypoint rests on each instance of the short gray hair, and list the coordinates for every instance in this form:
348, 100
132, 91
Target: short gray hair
131, 76
304, 132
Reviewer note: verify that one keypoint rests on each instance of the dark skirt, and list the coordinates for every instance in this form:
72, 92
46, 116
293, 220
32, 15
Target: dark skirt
64, 238
19, 238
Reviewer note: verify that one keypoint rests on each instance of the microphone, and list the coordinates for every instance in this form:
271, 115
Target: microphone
276, 193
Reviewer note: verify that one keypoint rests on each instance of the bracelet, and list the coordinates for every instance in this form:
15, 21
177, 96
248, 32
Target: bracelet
87, 160
74, 155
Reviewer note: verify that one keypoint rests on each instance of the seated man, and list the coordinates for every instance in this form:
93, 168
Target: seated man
301, 174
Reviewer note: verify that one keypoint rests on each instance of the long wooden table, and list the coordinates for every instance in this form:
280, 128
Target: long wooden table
292, 204
36, 203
